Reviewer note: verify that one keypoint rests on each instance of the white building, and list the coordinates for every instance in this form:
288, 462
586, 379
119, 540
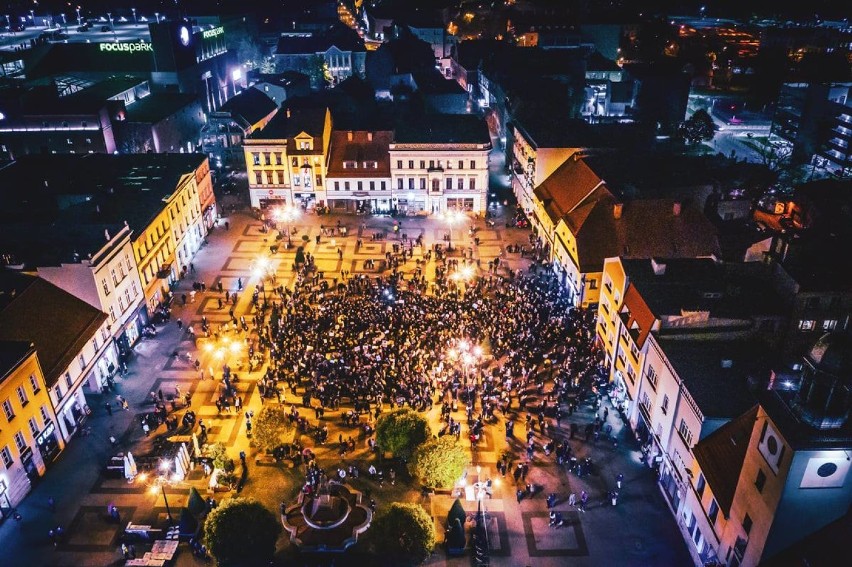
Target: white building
108, 280
441, 165
358, 173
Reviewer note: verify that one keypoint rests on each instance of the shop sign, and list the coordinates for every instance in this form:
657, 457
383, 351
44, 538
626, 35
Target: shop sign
215, 32
45, 433
130, 47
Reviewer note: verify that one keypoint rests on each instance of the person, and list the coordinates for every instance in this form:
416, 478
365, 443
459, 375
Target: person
556, 519
572, 499
520, 495
551, 500
108, 407
619, 479
584, 497
125, 551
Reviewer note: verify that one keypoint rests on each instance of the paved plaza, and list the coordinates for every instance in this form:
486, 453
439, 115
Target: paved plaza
640, 530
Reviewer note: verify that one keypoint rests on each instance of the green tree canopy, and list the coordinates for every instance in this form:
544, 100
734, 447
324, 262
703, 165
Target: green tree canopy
401, 431
271, 428
219, 453
240, 531
697, 128
405, 534
439, 462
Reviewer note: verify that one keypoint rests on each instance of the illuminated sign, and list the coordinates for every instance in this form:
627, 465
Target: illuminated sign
215, 32
127, 47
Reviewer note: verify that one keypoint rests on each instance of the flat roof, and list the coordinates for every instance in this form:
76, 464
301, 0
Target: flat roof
58, 208
158, 106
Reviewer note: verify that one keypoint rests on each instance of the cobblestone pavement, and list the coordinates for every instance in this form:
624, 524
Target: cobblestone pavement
639, 531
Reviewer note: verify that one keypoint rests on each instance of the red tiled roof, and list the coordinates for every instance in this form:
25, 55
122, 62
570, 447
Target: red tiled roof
640, 319
570, 185
359, 150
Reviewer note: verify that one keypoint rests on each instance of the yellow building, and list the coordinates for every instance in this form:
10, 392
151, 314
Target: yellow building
170, 227
286, 161
537, 150
28, 438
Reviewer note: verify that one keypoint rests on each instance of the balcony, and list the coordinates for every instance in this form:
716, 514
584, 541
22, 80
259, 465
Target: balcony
435, 169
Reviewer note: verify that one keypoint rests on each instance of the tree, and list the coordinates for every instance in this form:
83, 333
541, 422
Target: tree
439, 462
271, 428
404, 534
401, 431
240, 531
697, 128
220, 457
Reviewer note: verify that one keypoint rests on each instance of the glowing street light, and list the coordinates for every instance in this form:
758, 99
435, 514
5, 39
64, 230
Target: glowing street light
158, 484
287, 214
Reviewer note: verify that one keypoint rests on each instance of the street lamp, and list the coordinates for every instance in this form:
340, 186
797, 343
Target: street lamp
288, 214
79, 19
135, 21
158, 484
452, 217
157, 16
64, 23
32, 16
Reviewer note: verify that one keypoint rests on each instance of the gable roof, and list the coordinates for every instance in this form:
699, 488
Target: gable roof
637, 316
292, 122
359, 150
647, 228
58, 323
569, 186
251, 104
721, 455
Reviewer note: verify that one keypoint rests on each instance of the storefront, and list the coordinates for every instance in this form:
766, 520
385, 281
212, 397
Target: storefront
619, 394
465, 204
306, 200
5, 502
72, 414
47, 443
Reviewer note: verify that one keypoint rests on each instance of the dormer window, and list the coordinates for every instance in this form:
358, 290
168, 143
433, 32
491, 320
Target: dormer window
305, 145
350, 165
371, 165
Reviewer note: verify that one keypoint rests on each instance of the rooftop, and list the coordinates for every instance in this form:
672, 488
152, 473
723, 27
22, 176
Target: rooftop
443, 129
717, 373
291, 122
252, 105
28, 302
359, 150
58, 207
721, 455
159, 106
12, 353
339, 36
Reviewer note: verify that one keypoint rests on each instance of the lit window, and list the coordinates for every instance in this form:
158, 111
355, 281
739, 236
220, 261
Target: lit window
7, 456
20, 441
807, 325
7, 409
34, 383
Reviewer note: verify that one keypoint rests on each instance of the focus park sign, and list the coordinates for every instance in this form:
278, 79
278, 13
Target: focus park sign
215, 32
132, 47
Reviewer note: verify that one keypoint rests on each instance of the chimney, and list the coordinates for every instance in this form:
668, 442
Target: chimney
676, 208
288, 113
349, 135
369, 136
617, 209
106, 234
658, 267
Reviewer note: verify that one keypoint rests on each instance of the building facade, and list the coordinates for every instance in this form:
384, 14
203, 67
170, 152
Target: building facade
531, 164
28, 438
358, 177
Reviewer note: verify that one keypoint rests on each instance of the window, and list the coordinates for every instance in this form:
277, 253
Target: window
472, 164
57, 390
297, 180
20, 442
665, 406
399, 183
33, 426
436, 185
651, 375
34, 383
760, 481
114, 277
346, 185
472, 184
829, 324
460, 184
399, 164
7, 456
411, 164
22, 395
747, 524
431, 164
461, 164
258, 178
128, 298
319, 179
685, 433
294, 162
449, 183
410, 183
337, 185
256, 158
699, 486
95, 343
713, 512
278, 158
422, 164
7, 409
112, 313
105, 285
422, 183
360, 186
384, 185
372, 185
121, 299
807, 325
45, 415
